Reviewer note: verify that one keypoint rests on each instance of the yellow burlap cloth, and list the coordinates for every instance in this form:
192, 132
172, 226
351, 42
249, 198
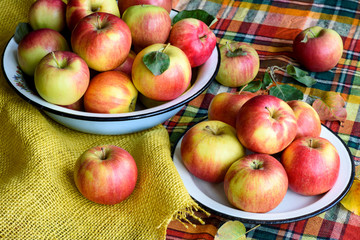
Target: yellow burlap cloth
38, 197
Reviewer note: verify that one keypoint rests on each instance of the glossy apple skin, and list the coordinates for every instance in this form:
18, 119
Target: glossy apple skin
209, 148
124, 4
78, 9
319, 53
103, 40
110, 92
256, 183
35, 45
195, 38
148, 24
126, 66
61, 77
266, 124
225, 106
240, 70
168, 85
308, 120
105, 174
312, 165
48, 14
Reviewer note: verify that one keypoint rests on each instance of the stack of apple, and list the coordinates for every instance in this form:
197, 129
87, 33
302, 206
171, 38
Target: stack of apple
269, 129
99, 56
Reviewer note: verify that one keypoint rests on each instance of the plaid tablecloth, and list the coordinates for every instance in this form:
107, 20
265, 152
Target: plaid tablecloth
270, 27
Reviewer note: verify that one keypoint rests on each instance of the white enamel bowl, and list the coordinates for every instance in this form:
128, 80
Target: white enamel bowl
108, 124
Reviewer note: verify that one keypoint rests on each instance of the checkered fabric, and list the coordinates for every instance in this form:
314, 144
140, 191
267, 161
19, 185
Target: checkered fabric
270, 27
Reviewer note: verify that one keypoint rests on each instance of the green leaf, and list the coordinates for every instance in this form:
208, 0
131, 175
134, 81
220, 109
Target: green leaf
253, 86
200, 14
286, 92
236, 52
231, 230
22, 29
267, 81
300, 75
157, 62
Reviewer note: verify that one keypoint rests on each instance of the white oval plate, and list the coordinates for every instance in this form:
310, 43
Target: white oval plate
294, 207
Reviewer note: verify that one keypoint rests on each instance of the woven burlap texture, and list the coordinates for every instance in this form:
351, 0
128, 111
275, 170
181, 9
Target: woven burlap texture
38, 197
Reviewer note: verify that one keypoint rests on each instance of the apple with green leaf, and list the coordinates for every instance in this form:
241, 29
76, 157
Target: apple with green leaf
312, 165
106, 174
195, 38
78, 9
148, 24
103, 40
318, 49
48, 14
62, 77
161, 72
239, 64
209, 148
256, 183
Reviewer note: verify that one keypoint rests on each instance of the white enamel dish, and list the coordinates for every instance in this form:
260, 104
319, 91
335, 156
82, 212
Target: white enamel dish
108, 124
294, 207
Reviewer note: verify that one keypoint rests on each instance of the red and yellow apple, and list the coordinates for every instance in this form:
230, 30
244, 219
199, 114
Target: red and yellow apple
48, 14
318, 49
78, 9
168, 85
256, 183
148, 24
126, 66
110, 92
266, 124
195, 38
225, 106
209, 148
106, 174
61, 77
35, 45
312, 165
308, 120
124, 4
239, 64
103, 40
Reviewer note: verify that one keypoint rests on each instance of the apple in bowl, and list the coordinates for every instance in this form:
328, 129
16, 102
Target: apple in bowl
266, 124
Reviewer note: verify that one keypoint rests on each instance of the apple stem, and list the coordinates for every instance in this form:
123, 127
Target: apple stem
311, 143
103, 154
208, 128
242, 88
256, 164
56, 61
167, 45
98, 21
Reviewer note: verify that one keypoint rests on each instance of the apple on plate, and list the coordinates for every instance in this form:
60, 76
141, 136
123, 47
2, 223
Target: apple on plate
225, 106
312, 165
126, 66
209, 148
266, 124
195, 38
48, 14
256, 183
106, 174
110, 92
318, 49
239, 64
166, 85
125, 4
148, 24
78, 9
103, 40
61, 77
308, 120
35, 45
